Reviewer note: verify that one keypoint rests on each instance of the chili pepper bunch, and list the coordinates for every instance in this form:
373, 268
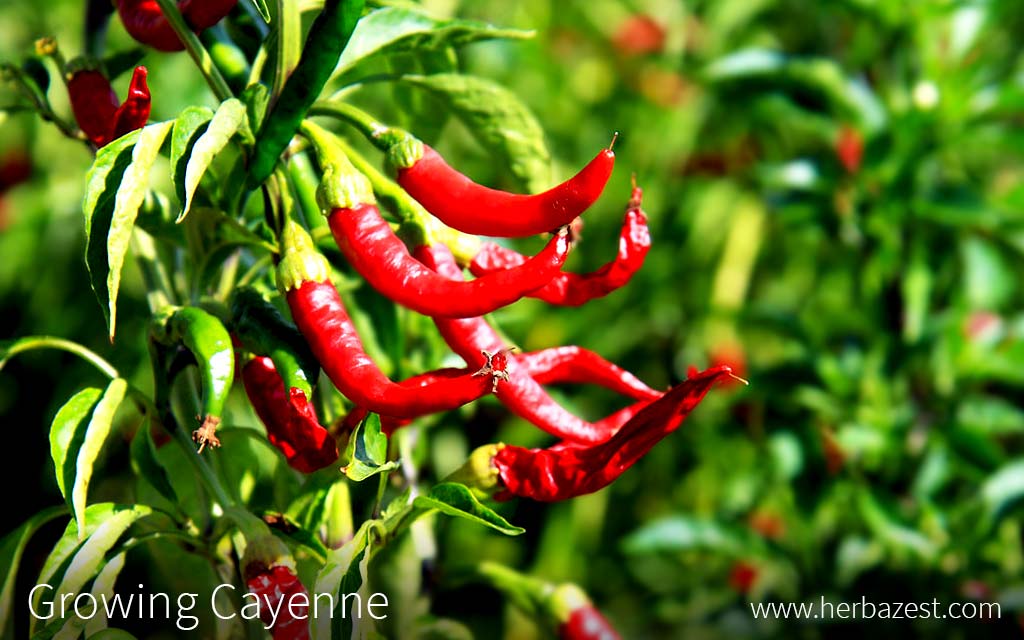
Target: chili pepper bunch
419, 233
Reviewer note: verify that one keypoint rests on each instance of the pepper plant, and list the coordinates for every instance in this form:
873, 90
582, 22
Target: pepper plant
276, 245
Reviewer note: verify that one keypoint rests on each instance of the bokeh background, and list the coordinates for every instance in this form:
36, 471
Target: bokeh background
835, 200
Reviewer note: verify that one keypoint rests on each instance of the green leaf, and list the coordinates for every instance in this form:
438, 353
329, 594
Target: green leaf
888, 529
188, 126
262, 9
684, 533
11, 549
130, 195
1003, 489
341, 575
67, 433
95, 435
325, 509
499, 120
145, 464
227, 121
101, 188
367, 451
102, 589
454, 499
60, 558
395, 29
112, 634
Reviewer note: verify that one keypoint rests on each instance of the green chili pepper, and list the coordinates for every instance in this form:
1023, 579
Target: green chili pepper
327, 38
263, 331
205, 336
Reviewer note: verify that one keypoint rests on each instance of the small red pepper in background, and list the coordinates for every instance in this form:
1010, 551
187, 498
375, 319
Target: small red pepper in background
570, 469
144, 21
850, 148
321, 318
520, 393
269, 573
473, 208
96, 107
572, 289
742, 576
639, 34
291, 422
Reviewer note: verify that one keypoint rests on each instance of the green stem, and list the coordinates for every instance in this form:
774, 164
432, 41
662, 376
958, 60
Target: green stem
202, 467
386, 189
381, 486
304, 182
195, 49
366, 124
51, 342
254, 271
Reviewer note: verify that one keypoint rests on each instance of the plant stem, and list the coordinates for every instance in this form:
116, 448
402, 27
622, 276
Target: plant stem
195, 49
51, 342
364, 122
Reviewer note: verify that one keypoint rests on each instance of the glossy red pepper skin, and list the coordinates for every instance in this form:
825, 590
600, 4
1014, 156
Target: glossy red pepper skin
520, 393
271, 586
93, 103
587, 623
573, 289
321, 318
291, 422
97, 110
576, 365
144, 21
473, 208
373, 249
570, 469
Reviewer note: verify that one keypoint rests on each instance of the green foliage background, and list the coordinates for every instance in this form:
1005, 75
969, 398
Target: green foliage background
876, 451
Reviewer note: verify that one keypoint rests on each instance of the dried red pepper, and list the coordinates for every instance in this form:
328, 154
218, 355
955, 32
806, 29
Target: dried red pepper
372, 248
572, 289
473, 208
320, 315
96, 107
521, 393
144, 21
570, 469
291, 422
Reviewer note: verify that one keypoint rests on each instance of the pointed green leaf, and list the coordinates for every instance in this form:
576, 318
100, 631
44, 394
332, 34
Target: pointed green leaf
188, 126
11, 549
129, 198
500, 121
60, 558
145, 464
678, 533
95, 435
454, 499
1003, 489
262, 9
67, 432
340, 575
229, 118
395, 29
367, 451
101, 187
102, 588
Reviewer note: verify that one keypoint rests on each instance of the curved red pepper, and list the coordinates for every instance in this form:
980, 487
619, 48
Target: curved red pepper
473, 208
97, 110
520, 393
321, 318
587, 623
576, 365
144, 21
572, 289
291, 422
570, 469
373, 249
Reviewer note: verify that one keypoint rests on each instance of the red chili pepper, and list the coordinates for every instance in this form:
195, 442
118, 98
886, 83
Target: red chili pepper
144, 21
321, 318
374, 250
291, 422
587, 623
572, 289
570, 469
576, 365
473, 208
96, 107
521, 393
277, 588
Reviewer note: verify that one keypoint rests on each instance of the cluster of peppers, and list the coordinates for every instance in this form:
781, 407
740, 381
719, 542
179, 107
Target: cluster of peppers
280, 362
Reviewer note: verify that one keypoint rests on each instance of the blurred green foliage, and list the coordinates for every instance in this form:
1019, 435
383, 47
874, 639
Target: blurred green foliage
835, 198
